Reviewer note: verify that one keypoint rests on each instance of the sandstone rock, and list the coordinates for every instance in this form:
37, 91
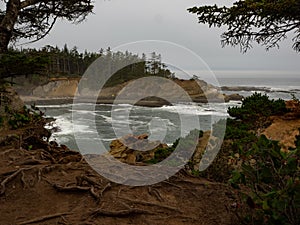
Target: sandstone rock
134, 149
285, 128
198, 90
57, 88
233, 97
10, 98
294, 107
201, 146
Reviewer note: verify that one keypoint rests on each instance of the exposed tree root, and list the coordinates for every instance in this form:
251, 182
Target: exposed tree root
106, 187
94, 194
44, 218
120, 213
33, 162
7, 151
82, 178
140, 202
70, 188
77, 188
46, 156
154, 192
23, 180
8, 173
174, 185
8, 179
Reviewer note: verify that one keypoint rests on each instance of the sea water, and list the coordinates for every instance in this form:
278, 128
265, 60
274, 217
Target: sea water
163, 123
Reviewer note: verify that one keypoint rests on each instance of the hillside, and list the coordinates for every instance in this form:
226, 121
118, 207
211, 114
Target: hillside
198, 90
42, 182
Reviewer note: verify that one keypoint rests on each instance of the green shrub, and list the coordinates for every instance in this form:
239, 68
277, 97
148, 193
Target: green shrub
256, 108
273, 177
253, 163
25, 117
181, 144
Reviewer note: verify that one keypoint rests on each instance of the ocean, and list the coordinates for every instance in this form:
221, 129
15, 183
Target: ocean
108, 122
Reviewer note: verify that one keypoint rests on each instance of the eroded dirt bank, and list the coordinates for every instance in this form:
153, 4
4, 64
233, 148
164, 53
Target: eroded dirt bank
53, 185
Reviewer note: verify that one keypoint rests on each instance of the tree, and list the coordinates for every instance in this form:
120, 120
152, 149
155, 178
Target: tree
34, 19
25, 62
266, 22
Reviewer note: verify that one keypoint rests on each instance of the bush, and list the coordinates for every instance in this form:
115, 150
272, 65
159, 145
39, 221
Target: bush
273, 178
256, 108
183, 144
25, 117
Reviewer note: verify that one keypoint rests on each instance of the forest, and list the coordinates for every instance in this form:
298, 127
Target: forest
254, 179
53, 62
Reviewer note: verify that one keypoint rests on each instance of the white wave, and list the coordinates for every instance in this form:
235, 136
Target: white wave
64, 123
108, 119
65, 105
84, 112
120, 109
165, 121
185, 109
55, 106
107, 139
285, 89
125, 105
65, 126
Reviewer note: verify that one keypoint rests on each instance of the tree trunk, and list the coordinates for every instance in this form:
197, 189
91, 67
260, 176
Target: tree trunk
4, 40
7, 23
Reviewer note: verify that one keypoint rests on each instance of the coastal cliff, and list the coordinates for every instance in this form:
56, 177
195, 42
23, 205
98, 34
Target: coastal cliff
52, 184
198, 90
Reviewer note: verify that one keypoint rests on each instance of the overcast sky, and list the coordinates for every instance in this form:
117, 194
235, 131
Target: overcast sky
117, 22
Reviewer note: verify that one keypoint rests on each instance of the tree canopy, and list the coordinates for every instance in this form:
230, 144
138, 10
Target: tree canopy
33, 19
266, 22
53, 62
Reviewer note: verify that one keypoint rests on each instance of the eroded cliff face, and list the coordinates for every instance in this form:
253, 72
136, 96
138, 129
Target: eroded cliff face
197, 90
57, 88
9, 98
285, 128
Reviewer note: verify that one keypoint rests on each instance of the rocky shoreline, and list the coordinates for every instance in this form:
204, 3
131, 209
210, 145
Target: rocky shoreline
64, 91
42, 182
145, 103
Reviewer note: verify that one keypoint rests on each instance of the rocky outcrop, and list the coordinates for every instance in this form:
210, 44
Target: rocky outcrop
57, 88
137, 150
233, 97
9, 98
285, 128
244, 88
134, 149
197, 90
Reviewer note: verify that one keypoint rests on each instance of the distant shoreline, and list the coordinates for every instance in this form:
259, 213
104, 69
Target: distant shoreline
145, 103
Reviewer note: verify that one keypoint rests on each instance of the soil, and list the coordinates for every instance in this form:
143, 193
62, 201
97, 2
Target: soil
285, 128
51, 184
44, 183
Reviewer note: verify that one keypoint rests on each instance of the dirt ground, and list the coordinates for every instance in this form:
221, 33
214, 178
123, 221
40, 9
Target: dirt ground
57, 186
43, 183
285, 128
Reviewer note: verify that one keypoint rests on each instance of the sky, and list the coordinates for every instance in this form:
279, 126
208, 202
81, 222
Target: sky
119, 22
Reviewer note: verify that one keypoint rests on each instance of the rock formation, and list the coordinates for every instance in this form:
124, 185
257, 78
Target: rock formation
9, 98
134, 149
198, 91
285, 128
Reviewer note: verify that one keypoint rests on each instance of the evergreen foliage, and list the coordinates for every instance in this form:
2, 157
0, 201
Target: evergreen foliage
266, 22
34, 19
52, 62
251, 162
256, 109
